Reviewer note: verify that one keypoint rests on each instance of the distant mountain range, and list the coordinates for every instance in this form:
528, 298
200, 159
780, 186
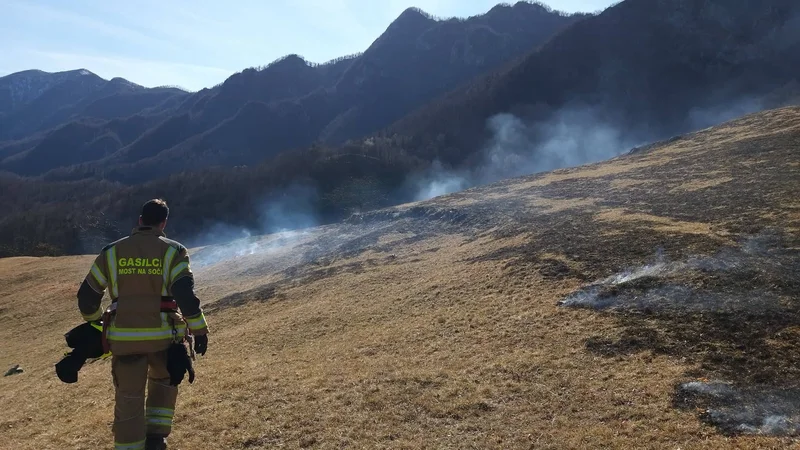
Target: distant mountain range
33, 101
89, 127
445, 103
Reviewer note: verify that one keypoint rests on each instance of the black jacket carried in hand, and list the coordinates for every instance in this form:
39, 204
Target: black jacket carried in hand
86, 340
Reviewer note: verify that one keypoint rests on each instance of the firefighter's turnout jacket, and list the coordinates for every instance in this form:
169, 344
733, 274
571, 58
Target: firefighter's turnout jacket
142, 272
147, 276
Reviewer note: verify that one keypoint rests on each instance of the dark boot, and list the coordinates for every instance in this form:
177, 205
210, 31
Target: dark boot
155, 442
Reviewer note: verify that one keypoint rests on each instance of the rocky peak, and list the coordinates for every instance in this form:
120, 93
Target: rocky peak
24, 87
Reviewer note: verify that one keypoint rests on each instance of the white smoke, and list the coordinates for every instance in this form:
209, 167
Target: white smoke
659, 267
572, 137
702, 118
290, 209
437, 181
248, 246
441, 186
285, 215
654, 286
758, 410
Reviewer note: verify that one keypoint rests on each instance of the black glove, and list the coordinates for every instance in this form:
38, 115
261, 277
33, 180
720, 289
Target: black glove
200, 344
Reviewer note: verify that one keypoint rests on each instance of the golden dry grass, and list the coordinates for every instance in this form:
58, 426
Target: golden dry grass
600, 170
623, 183
702, 184
655, 223
437, 333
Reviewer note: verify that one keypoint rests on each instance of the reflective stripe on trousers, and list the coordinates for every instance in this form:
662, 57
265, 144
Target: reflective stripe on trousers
159, 416
129, 446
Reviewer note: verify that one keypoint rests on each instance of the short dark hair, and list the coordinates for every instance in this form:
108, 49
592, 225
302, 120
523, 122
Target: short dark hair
154, 212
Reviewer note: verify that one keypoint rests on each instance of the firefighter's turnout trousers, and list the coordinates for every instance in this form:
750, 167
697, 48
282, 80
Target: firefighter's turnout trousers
135, 413
142, 273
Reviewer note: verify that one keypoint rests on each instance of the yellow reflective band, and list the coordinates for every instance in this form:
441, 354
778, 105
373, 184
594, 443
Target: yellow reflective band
167, 264
159, 421
197, 323
94, 316
98, 276
177, 270
159, 412
143, 334
116, 333
129, 446
111, 258
136, 336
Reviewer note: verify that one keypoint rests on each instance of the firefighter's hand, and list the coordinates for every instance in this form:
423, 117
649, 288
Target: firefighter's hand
200, 344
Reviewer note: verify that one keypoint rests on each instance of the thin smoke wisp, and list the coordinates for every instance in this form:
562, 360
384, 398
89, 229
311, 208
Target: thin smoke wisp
286, 215
572, 137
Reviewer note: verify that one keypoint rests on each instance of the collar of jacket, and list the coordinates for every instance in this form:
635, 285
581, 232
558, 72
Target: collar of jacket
151, 231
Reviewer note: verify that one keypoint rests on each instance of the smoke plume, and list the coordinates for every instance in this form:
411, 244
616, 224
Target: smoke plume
293, 208
571, 137
286, 214
437, 181
701, 118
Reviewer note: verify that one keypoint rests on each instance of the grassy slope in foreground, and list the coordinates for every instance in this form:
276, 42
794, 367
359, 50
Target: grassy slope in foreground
437, 325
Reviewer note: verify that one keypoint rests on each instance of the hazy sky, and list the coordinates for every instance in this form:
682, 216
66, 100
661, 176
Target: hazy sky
199, 43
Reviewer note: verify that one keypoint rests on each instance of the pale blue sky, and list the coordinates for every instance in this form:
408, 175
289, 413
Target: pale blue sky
199, 43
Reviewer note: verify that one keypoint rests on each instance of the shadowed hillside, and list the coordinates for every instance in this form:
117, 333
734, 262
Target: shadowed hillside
33, 101
645, 302
288, 104
648, 69
640, 71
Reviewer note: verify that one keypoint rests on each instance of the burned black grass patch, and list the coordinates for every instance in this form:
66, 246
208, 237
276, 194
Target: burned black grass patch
759, 410
733, 313
259, 294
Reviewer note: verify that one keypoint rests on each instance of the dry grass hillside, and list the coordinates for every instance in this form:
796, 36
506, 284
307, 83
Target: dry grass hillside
650, 301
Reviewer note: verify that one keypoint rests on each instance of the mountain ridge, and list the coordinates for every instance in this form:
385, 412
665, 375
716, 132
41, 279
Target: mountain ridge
593, 76
415, 59
34, 101
639, 72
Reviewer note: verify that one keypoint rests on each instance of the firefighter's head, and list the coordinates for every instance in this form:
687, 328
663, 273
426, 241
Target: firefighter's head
154, 214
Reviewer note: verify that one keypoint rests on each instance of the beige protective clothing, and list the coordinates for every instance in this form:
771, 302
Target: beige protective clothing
141, 272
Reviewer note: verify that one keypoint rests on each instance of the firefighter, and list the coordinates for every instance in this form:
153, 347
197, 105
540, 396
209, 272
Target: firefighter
148, 279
